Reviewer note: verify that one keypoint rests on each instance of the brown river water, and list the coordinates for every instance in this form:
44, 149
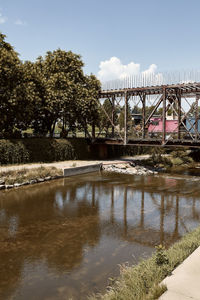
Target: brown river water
64, 239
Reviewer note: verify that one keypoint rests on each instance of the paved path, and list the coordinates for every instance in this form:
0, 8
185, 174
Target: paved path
59, 165
184, 283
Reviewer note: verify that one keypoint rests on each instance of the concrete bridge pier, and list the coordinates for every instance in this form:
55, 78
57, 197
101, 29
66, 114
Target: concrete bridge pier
100, 151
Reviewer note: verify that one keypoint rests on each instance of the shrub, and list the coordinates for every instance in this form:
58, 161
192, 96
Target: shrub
180, 157
177, 161
13, 152
35, 150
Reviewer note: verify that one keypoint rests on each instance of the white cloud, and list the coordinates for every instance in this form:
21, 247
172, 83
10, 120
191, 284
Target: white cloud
151, 77
20, 22
152, 69
114, 69
3, 19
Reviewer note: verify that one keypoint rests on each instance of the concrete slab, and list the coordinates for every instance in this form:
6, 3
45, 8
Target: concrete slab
81, 170
185, 279
174, 296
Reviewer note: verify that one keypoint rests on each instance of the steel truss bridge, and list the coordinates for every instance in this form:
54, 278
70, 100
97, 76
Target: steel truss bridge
181, 100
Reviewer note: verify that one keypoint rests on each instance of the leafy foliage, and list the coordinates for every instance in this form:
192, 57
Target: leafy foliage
10, 74
35, 150
105, 119
39, 95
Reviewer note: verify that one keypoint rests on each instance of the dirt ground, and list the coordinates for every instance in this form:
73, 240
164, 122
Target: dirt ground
71, 163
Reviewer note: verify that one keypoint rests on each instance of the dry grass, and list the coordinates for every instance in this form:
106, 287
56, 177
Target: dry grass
23, 175
143, 280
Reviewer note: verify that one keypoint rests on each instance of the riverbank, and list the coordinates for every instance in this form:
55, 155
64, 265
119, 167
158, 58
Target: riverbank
19, 175
24, 174
143, 281
130, 168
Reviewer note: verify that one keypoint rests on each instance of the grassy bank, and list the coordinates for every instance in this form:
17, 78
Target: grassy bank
141, 282
174, 159
26, 175
30, 150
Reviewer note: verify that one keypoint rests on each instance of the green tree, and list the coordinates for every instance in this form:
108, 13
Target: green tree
137, 110
61, 73
88, 105
106, 118
30, 93
10, 75
53, 89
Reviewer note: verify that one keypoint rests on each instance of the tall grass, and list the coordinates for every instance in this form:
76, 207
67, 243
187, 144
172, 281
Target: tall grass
142, 282
24, 175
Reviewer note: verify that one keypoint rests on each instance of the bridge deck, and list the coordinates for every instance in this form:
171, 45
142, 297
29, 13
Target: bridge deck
186, 90
148, 142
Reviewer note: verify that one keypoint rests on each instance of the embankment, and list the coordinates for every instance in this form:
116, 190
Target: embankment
143, 280
33, 150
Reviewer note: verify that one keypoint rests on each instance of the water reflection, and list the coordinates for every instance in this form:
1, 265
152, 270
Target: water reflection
65, 238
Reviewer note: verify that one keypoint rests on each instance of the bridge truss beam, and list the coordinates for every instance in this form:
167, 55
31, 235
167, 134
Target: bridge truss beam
181, 100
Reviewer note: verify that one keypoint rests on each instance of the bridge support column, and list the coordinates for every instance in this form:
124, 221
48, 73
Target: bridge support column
196, 116
125, 117
113, 116
143, 114
103, 151
164, 117
179, 113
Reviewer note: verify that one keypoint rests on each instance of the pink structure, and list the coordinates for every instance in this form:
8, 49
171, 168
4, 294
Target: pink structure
156, 125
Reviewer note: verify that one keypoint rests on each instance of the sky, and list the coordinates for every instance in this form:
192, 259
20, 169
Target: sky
114, 38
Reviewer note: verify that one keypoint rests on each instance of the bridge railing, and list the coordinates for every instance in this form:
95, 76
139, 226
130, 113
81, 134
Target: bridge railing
145, 79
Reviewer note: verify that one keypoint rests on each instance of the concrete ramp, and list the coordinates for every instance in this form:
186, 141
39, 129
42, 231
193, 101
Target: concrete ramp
81, 170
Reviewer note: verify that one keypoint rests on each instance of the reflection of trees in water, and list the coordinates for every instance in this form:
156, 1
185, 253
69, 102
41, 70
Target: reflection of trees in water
54, 222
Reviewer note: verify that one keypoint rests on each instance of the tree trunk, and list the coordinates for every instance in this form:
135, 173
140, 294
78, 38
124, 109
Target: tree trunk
52, 129
93, 130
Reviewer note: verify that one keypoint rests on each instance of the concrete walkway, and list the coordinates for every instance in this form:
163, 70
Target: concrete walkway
184, 283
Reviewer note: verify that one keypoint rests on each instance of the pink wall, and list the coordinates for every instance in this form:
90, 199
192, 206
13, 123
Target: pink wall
171, 125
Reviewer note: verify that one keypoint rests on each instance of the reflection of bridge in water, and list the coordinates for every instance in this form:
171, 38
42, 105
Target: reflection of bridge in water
145, 233
180, 100
167, 223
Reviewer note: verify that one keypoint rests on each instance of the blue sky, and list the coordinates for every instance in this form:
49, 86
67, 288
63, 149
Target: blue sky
163, 35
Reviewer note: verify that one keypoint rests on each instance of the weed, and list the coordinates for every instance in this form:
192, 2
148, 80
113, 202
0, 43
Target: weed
161, 257
22, 175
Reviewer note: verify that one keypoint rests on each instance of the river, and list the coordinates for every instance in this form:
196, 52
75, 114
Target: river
65, 238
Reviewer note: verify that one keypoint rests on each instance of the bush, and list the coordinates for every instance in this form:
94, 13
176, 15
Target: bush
13, 152
35, 150
180, 157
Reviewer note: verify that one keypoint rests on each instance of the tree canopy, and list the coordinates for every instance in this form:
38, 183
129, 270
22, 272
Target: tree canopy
40, 94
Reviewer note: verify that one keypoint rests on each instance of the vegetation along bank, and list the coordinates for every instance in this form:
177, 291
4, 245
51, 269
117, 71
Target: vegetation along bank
143, 280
